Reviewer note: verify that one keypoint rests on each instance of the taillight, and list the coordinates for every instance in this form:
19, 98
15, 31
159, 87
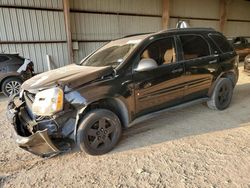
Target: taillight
237, 60
30, 67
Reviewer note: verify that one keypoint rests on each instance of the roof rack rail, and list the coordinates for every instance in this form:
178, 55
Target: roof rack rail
136, 34
188, 29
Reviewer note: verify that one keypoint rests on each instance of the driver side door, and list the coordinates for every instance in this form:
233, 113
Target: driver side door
162, 86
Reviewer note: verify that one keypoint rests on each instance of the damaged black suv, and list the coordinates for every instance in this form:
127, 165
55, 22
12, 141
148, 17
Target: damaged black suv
122, 82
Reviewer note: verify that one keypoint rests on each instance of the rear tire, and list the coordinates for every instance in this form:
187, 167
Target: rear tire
222, 95
11, 86
99, 132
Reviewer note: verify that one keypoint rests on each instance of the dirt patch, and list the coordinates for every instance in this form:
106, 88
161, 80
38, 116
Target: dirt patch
190, 147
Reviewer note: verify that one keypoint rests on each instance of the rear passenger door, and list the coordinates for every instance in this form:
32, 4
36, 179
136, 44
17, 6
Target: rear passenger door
200, 65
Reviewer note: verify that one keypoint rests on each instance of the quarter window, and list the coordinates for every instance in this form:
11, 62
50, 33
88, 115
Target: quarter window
194, 47
222, 43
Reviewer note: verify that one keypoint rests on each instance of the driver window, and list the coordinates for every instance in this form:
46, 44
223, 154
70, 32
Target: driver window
162, 51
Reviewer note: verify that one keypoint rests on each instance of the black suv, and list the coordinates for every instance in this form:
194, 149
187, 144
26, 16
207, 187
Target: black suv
124, 81
14, 69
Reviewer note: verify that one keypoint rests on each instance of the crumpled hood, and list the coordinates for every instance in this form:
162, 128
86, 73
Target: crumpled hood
71, 75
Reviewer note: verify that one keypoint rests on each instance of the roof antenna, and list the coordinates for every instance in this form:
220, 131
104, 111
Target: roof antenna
182, 24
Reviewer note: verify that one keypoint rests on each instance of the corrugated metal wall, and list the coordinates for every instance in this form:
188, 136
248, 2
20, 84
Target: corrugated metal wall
56, 4
36, 27
195, 8
95, 21
92, 24
197, 12
201, 13
238, 18
125, 6
34, 32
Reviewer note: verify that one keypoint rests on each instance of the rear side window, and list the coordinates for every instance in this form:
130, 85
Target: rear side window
3, 58
194, 46
221, 43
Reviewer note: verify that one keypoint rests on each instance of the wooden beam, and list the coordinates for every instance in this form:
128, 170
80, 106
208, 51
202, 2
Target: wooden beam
165, 14
66, 10
223, 13
114, 13
30, 8
33, 42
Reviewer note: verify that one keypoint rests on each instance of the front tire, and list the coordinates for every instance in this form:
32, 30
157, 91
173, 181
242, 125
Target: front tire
99, 132
222, 95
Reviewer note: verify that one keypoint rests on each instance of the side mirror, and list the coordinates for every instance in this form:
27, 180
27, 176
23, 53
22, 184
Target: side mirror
146, 64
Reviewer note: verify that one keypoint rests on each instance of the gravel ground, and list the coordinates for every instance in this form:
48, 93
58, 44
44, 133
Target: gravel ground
190, 147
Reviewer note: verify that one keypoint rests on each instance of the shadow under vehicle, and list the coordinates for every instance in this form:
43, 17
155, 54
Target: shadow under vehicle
119, 85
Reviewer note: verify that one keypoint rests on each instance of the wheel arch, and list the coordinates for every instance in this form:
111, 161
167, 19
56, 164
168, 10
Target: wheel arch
116, 105
230, 75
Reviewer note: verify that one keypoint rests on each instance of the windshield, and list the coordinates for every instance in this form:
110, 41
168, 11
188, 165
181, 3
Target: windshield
114, 53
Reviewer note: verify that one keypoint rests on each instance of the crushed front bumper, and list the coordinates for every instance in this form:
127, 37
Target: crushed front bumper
38, 143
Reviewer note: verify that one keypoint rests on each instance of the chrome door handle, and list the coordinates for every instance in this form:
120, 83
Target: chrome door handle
143, 85
147, 85
213, 61
177, 70
127, 82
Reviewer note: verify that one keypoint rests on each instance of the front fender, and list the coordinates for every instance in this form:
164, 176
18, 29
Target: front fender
116, 104
103, 94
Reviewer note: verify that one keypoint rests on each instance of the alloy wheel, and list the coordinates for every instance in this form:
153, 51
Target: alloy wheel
101, 134
13, 87
223, 94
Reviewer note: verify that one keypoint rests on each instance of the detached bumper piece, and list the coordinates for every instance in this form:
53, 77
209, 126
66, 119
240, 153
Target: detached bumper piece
38, 143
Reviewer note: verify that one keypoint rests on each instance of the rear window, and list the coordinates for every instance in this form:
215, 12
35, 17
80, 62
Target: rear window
221, 43
194, 46
3, 58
